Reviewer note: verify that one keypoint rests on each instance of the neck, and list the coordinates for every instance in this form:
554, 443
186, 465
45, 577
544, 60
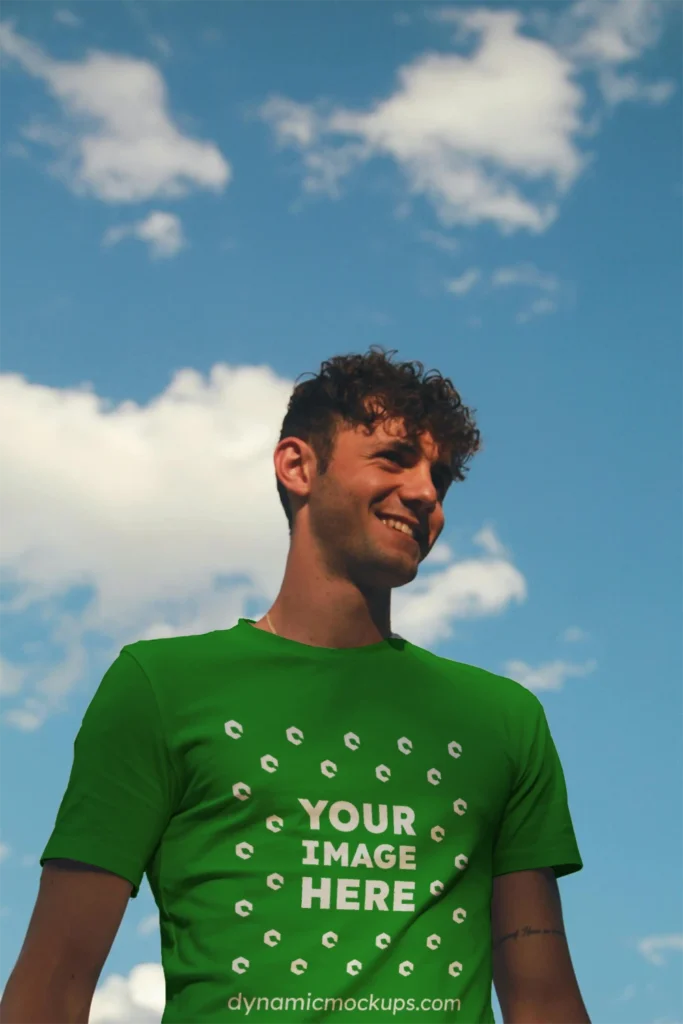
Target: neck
316, 608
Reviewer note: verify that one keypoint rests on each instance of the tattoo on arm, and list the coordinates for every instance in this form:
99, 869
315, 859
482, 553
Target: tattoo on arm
523, 933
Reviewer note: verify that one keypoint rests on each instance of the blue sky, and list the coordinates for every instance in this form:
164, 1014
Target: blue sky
201, 201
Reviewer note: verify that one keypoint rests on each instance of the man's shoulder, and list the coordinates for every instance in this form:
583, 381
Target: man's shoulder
164, 653
477, 680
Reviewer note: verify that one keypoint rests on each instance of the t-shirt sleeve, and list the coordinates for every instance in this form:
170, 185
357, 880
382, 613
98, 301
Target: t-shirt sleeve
536, 830
123, 786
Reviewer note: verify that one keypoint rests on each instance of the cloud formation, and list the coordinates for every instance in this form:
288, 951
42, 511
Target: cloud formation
116, 139
464, 283
490, 133
163, 233
551, 675
138, 998
653, 946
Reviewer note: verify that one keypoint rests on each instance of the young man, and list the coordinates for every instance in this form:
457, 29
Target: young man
336, 825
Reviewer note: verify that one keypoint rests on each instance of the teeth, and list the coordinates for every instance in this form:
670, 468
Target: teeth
396, 524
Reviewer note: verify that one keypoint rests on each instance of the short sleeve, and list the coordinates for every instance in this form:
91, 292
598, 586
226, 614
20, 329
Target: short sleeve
536, 830
122, 787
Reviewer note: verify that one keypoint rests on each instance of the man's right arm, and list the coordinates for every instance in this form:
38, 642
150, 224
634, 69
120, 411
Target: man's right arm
75, 919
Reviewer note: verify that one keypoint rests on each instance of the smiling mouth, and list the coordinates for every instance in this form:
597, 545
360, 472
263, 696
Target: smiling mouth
398, 527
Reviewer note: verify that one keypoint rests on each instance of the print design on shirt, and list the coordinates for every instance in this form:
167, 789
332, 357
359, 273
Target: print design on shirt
345, 816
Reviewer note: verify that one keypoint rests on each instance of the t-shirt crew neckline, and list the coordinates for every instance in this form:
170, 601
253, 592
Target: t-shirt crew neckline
246, 631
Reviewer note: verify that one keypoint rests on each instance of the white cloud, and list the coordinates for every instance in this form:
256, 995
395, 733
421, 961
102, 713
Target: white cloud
163, 233
539, 307
528, 275
468, 132
465, 283
440, 241
549, 676
4, 852
612, 33
574, 634
166, 515
440, 553
652, 946
490, 542
524, 274
491, 132
118, 141
11, 677
148, 924
136, 999
161, 44
68, 18
606, 36
472, 588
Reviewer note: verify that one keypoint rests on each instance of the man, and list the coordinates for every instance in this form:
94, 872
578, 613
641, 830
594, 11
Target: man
336, 824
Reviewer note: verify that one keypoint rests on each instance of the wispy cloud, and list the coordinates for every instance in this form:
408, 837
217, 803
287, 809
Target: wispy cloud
148, 924
468, 132
573, 635
550, 675
162, 45
130, 150
653, 947
488, 539
465, 283
527, 275
65, 17
493, 132
608, 37
524, 274
539, 307
162, 232
440, 241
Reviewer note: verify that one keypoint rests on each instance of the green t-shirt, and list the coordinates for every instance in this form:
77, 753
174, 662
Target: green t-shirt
320, 827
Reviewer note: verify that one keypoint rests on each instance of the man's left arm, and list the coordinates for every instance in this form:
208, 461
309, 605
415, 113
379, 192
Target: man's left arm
532, 967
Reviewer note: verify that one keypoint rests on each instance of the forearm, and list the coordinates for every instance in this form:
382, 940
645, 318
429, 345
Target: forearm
550, 1011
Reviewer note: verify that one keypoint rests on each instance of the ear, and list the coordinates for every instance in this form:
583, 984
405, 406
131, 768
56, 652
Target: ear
295, 466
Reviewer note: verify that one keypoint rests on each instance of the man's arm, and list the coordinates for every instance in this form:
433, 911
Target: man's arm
74, 922
532, 967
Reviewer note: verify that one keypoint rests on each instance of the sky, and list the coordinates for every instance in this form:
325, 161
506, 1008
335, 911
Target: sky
202, 201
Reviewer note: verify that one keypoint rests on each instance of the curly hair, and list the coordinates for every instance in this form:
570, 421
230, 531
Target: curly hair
338, 395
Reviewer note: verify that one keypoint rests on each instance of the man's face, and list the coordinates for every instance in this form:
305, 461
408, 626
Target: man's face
370, 479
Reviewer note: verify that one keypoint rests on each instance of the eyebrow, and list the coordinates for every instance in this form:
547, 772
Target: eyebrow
407, 448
